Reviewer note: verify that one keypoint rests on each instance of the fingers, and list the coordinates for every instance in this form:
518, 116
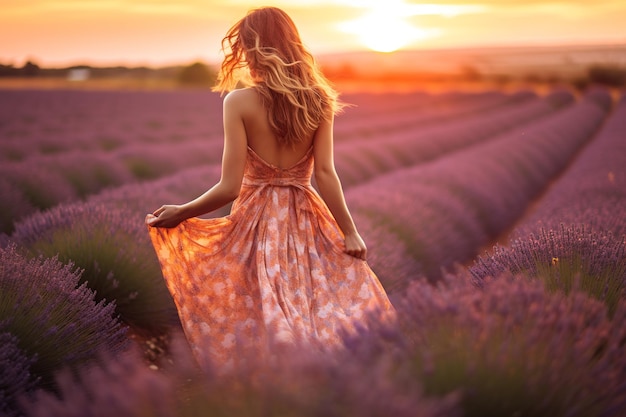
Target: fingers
358, 253
354, 246
164, 216
150, 219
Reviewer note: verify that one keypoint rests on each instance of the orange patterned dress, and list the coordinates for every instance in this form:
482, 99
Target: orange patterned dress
272, 270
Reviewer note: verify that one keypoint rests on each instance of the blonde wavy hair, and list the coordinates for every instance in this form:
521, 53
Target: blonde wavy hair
264, 50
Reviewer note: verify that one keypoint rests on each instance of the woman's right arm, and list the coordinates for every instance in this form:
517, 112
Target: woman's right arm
233, 163
330, 189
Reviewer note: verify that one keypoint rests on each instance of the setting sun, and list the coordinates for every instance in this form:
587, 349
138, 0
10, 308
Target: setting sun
385, 28
381, 31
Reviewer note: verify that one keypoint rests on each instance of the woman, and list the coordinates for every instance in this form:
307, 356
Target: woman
285, 265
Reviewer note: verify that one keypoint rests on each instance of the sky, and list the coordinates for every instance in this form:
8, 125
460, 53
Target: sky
163, 32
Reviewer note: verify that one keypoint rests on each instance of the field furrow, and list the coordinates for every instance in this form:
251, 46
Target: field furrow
421, 219
357, 163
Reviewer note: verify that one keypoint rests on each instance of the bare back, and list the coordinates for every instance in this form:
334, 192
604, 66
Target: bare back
260, 136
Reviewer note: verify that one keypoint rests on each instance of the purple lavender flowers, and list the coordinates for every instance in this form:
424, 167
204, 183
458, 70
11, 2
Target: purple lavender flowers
47, 322
442, 213
112, 248
577, 231
533, 327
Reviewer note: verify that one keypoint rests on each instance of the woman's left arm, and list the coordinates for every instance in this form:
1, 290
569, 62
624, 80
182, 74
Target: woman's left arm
233, 164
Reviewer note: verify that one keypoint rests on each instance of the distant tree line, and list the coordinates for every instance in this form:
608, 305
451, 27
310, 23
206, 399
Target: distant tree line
195, 74
29, 69
609, 75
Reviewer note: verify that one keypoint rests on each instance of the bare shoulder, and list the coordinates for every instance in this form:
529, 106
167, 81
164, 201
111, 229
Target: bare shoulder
241, 98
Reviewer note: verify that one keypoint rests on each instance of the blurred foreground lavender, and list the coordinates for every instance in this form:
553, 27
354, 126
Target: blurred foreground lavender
15, 376
511, 348
515, 348
299, 382
48, 322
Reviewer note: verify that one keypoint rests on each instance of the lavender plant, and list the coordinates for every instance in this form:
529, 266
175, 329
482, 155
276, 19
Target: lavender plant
13, 205
146, 196
117, 386
41, 188
600, 96
510, 348
295, 383
566, 258
112, 247
15, 376
47, 322
165, 159
85, 172
399, 148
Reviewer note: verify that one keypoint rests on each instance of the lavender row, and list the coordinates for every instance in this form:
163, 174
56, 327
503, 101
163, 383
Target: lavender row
80, 166
401, 148
422, 219
414, 110
51, 122
147, 196
593, 190
45, 181
576, 234
512, 348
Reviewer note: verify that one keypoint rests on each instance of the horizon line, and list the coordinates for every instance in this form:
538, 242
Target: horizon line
320, 56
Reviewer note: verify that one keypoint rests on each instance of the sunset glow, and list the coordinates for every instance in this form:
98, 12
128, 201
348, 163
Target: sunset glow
157, 32
384, 28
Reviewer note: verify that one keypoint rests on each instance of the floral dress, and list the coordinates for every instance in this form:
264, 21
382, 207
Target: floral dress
274, 269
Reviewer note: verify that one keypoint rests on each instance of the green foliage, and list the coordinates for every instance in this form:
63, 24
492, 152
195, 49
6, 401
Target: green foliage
611, 75
55, 320
493, 388
575, 271
109, 143
566, 258
197, 74
12, 205
142, 169
512, 348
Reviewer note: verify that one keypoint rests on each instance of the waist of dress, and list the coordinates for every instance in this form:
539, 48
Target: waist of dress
277, 182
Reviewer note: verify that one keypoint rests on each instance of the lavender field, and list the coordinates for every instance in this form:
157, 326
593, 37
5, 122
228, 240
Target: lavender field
495, 220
